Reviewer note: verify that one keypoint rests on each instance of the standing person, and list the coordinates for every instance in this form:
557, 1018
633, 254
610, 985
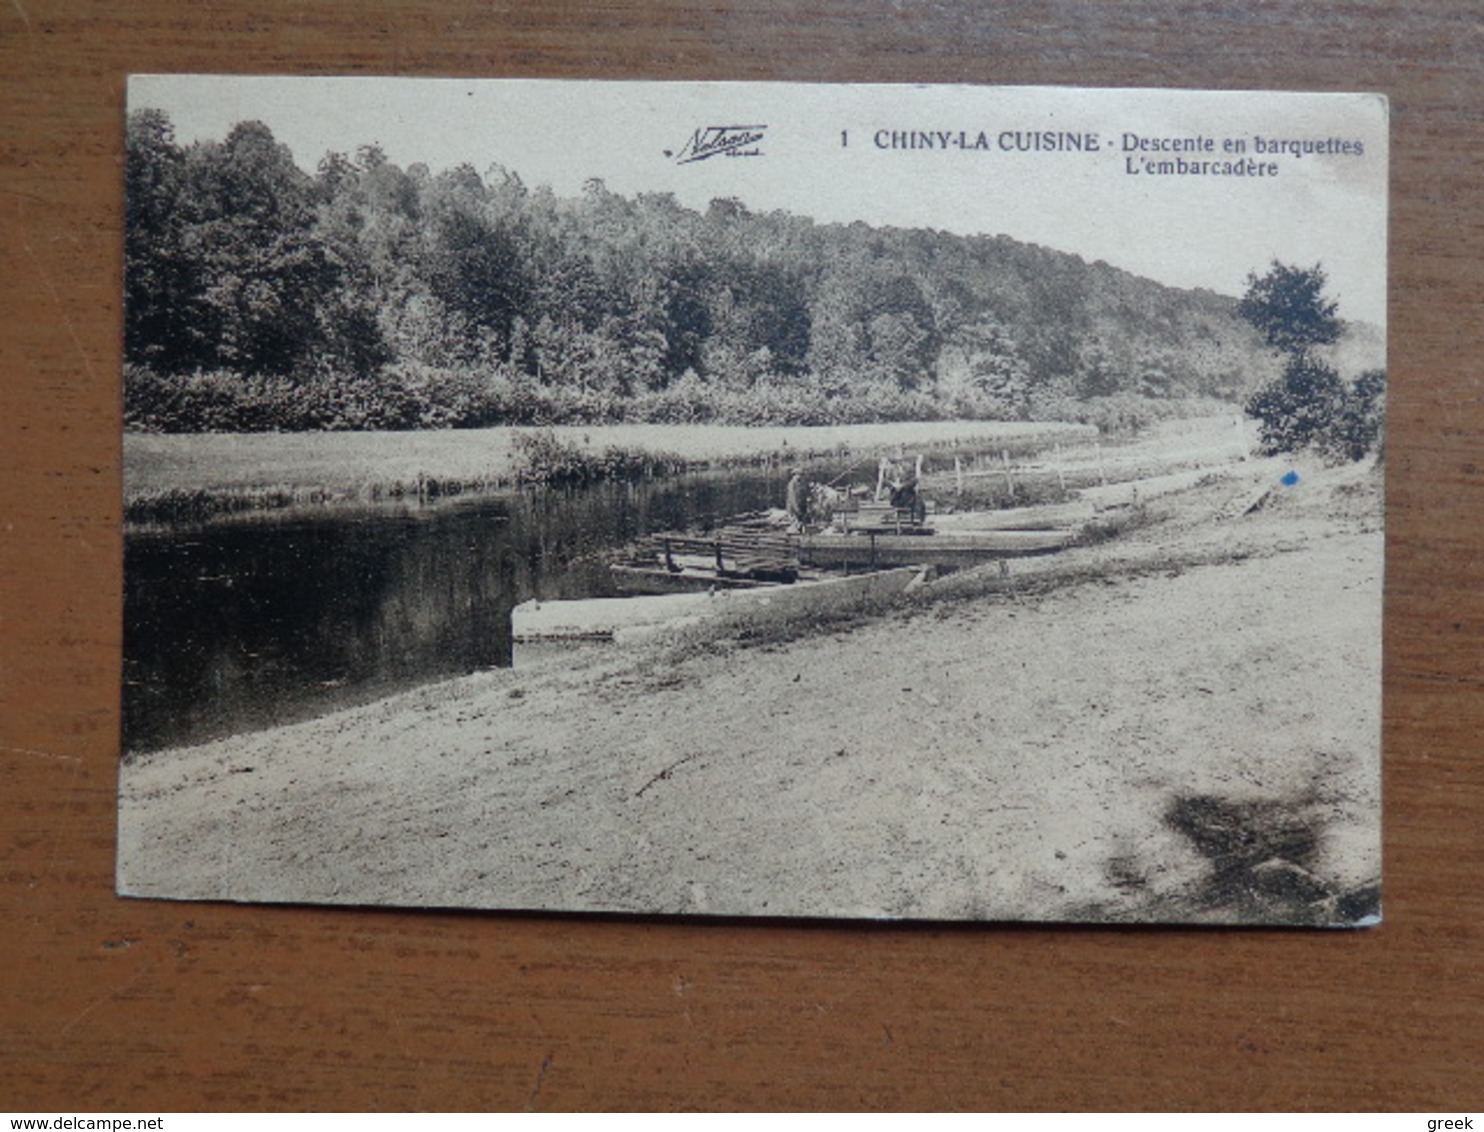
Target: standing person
889, 475
897, 483
796, 501
904, 491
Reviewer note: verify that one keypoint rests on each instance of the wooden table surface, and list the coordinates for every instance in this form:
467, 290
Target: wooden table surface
108, 1004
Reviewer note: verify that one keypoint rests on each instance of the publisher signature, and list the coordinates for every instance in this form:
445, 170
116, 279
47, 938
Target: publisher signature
720, 141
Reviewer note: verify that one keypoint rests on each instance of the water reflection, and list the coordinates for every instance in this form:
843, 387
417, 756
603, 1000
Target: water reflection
249, 623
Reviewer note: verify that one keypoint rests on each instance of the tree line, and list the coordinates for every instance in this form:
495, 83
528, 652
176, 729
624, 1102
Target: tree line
259, 296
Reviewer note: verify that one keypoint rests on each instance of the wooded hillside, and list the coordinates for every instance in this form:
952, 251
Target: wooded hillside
365, 296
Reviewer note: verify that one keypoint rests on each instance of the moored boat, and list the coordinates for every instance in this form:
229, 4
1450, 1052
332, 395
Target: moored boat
625, 619
1047, 517
640, 578
956, 550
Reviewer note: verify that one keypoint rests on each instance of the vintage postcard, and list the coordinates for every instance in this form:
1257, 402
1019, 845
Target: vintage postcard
755, 500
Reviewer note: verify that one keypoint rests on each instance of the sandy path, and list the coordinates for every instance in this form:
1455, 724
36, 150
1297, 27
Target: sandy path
991, 758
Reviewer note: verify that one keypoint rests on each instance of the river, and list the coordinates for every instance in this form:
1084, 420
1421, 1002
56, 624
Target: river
248, 623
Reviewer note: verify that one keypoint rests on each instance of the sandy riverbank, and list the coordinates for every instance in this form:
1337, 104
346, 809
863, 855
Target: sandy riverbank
1181, 723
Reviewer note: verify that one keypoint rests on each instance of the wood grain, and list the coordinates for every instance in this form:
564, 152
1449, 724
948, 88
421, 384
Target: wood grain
117, 1005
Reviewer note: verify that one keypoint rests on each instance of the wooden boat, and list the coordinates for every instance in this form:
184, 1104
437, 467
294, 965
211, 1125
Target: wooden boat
875, 518
626, 619
637, 578
867, 536
944, 549
1050, 517
600, 618
739, 556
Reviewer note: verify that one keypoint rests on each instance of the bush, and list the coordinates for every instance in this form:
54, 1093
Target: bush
541, 458
1309, 406
1360, 427
686, 401
212, 401
419, 396
1297, 409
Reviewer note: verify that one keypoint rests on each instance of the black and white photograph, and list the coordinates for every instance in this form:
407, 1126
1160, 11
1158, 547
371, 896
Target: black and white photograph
863, 502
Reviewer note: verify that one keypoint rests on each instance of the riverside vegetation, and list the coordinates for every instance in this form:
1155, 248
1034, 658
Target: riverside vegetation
365, 296
189, 478
369, 298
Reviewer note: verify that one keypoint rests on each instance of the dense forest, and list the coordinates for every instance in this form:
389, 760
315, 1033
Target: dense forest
368, 296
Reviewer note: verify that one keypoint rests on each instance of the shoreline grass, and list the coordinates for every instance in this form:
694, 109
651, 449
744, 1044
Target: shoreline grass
173, 478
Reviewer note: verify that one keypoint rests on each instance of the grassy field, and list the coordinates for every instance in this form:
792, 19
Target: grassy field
166, 475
